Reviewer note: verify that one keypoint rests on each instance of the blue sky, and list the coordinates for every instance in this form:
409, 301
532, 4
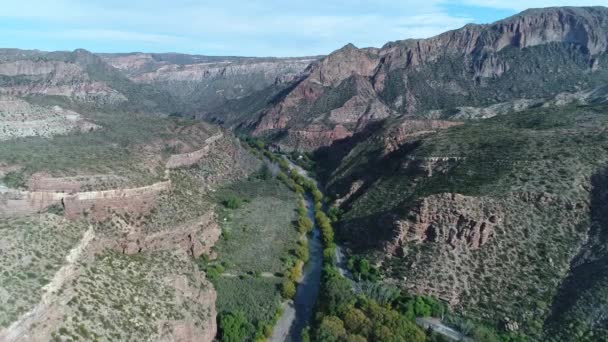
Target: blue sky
241, 27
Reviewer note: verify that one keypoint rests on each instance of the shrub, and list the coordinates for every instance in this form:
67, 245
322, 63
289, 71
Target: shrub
232, 202
295, 272
362, 270
288, 289
302, 250
264, 173
214, 271
14, 179
334, 214
305, 225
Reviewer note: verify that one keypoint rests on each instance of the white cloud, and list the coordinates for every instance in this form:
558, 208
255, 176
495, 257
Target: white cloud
520, 5
113, 35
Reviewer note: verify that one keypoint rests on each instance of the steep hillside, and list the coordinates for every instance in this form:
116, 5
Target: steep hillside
500, 218
534, 55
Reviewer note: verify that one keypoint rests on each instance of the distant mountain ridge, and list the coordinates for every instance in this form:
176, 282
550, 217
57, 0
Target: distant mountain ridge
154, 83
538, 53
203, 84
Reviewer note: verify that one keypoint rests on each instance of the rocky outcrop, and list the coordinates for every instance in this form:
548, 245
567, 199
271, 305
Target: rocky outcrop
153, 68
191, 158
45, 182
344, 63
194, 238
584, 26
269, 70
408, 129
96, 204
453, 219
101, 204
187, 330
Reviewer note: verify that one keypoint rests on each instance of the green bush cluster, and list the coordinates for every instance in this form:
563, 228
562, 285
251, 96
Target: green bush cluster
14, 179
234, 327
347, 316
420, 306
362, 269
304, 160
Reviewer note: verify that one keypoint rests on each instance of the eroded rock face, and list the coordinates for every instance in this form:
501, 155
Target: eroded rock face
411, 129
194, 238
44, 182
453, 219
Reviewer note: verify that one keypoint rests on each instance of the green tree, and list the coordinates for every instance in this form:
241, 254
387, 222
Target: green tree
302, 250
265, 172
331, 329
317, 195
356, 322
355, 338
421, 308
234, 327
336, 294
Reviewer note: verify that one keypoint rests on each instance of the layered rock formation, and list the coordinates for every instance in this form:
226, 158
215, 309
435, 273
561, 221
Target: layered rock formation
76, 76
98, 204
56, 78
459, 221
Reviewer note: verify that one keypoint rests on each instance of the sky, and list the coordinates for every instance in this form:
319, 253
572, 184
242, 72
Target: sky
241, 27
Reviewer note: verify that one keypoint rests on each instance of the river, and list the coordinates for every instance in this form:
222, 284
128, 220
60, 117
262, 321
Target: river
298, 314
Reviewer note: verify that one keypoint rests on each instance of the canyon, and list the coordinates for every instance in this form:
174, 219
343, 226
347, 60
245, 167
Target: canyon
468, 168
